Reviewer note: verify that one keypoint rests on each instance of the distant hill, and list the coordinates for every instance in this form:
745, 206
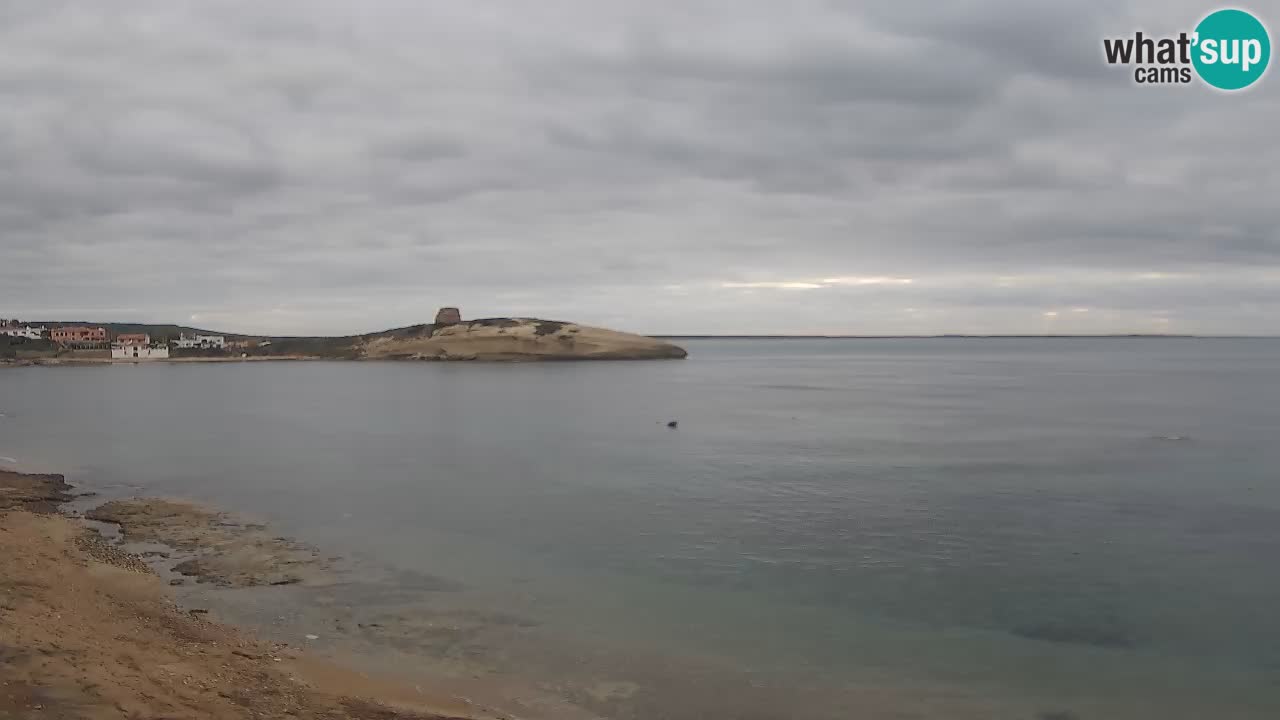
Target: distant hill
512, 339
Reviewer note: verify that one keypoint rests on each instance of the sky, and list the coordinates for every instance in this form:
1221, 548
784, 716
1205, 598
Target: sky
683, 167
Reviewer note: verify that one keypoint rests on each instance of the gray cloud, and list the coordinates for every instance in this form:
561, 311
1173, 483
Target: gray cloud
704, 166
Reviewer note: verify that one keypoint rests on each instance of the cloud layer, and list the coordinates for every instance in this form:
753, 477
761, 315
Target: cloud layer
703, 166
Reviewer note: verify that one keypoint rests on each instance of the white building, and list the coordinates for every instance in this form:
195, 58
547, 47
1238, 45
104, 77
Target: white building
204, 342
139, 352
25, 331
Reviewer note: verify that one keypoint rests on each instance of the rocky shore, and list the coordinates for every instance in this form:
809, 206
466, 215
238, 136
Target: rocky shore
34, 493
223, 550
89, 631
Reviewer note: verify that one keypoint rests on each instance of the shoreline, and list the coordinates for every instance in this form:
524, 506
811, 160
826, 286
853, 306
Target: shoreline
168, 608
500, 359
209, 614
92, 631
448, 339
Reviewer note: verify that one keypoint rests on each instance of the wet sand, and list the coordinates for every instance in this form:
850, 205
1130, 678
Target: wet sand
89, 631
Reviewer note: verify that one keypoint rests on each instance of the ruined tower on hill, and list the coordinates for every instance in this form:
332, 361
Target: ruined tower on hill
448, 316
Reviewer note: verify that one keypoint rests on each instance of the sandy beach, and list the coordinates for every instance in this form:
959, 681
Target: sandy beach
91, 631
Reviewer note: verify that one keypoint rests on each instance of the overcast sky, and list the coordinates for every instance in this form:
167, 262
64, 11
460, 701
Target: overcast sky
687, 166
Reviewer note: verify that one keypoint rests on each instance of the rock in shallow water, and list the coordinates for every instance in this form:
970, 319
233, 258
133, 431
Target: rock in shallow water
1103, 634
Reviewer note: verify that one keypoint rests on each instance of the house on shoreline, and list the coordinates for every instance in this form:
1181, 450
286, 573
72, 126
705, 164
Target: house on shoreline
202, 342
137, 346
12, 328
99, 341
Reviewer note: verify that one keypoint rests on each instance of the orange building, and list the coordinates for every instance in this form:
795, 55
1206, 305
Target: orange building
79, 335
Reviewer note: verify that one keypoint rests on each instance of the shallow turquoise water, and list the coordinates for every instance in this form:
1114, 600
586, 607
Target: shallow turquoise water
1019, 526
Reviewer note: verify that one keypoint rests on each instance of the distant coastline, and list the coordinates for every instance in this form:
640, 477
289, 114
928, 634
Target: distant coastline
483, 340
448, 338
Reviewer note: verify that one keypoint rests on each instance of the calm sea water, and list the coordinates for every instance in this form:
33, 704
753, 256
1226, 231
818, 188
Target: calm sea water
856, 528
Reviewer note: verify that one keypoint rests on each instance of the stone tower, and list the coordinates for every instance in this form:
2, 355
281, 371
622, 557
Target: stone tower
448, 316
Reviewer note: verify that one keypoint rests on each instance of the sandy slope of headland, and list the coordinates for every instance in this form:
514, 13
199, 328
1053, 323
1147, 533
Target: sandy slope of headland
516, 339
87, 631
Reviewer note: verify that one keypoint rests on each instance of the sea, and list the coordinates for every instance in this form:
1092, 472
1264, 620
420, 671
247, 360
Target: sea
1023, 528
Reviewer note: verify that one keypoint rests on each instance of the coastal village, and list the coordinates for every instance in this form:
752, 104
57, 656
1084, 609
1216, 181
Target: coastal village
122, 346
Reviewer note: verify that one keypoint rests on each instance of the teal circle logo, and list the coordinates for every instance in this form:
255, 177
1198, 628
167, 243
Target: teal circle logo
1232, 49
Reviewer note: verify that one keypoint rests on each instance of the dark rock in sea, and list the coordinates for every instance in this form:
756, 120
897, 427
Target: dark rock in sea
423, 582
1106, 633
673, 424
